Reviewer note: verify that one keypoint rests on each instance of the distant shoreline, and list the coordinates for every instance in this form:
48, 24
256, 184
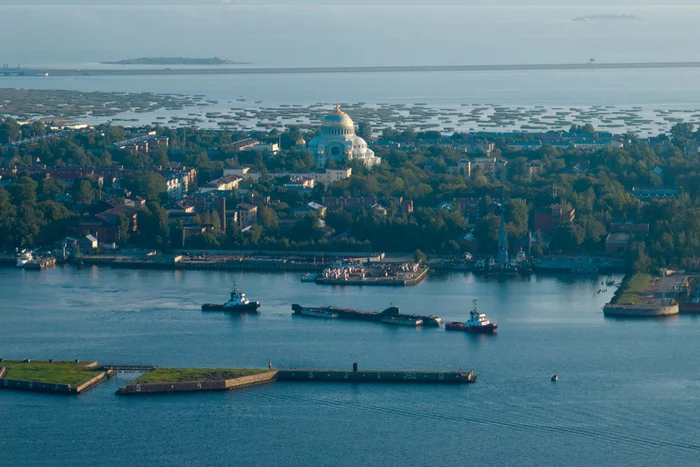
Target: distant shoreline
326, 70
606, 18
174, 61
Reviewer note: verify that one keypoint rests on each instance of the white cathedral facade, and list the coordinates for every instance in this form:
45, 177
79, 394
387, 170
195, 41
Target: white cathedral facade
338, 141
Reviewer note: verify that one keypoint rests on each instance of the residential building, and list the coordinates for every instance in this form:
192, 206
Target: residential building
624, 226
313, 208
646, 194
549, 219
273, 148
348, 203
88, 244
225, 183
247, 215
617, 242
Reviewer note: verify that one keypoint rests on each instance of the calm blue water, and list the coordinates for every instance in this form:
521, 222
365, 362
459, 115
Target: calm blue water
628, 391
289, 34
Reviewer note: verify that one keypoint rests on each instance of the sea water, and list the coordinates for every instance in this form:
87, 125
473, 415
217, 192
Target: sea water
627, 393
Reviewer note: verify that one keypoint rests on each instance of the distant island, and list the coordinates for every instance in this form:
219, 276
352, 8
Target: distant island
174, 61
605, 17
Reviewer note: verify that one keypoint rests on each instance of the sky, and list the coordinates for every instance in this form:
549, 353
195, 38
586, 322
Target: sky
345, 2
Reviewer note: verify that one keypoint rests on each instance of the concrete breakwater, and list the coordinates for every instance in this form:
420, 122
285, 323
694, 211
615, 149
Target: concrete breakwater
53, 388
645, 296
377, 376
195, 386
300, 375
641, 311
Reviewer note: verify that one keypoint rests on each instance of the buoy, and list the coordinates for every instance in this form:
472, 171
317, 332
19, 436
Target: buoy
555, 378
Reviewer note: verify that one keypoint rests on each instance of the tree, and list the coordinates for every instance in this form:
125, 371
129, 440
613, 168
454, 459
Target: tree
267, 218
364, 130
517, 215
9, 131
419, 256
486, 232
23, 191
146, 184
636, 259
83, 191
306, 229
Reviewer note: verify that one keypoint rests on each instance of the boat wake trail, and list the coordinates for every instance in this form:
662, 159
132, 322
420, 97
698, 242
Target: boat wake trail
612, 438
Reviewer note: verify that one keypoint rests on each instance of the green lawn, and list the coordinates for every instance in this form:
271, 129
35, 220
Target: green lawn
45, 372
178, 375
632, 289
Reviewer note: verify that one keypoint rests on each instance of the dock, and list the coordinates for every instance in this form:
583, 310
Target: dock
253, 377
377, 376
53, 377
645, 296
372, 277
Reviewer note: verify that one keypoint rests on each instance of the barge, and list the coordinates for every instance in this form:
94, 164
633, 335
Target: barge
391, 315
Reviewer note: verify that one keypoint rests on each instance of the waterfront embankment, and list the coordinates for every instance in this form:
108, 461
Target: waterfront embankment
164, 380
645, 296
68, 378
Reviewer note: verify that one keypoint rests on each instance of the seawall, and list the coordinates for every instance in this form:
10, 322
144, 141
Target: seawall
641, 311
54, 388
195, 386
377, 376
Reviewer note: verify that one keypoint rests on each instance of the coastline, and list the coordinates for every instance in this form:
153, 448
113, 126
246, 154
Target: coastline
327, 70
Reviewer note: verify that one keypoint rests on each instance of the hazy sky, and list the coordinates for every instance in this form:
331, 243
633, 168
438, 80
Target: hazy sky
353, 2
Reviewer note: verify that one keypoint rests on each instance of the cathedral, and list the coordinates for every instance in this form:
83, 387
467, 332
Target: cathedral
338, 141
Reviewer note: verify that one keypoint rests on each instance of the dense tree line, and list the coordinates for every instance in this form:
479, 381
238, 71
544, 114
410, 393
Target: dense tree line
596, 183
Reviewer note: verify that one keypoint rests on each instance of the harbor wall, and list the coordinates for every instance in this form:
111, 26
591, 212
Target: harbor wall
374, 376
53, 388
640, 311
196, 386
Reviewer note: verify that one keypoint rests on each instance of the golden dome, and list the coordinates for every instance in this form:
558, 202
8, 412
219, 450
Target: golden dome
338, 118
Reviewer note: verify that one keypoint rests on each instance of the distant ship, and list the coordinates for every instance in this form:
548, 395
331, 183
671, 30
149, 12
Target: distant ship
238, 303
478, 323
389, 316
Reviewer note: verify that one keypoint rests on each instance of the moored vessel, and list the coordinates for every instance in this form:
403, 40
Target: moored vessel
238, 302
389, 316
477, 323
326, 313
24, 258
403, 321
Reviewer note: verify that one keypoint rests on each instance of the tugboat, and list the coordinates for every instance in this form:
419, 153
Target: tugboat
478, 323
238, 303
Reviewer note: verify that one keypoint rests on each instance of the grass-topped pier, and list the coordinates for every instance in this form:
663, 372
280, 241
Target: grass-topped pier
643, 295
163, 380
61, 377
58, 377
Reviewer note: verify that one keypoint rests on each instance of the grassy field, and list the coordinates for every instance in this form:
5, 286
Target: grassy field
45, 372
179, 375
632, 289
